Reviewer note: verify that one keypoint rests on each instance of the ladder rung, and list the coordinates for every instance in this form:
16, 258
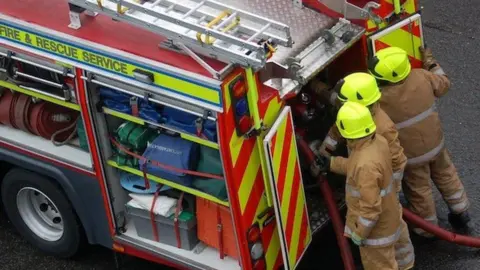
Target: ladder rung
193, 10
259, 32
156, 3
227, 20
224, 32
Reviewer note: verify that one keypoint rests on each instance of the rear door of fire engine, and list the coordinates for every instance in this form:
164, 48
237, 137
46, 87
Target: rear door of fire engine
406, 34
287, 189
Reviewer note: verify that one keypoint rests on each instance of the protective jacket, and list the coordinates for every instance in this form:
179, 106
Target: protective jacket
386, 128
372, 204
411, 106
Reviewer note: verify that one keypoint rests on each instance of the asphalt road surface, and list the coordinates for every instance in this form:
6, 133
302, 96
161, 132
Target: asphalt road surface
452, 31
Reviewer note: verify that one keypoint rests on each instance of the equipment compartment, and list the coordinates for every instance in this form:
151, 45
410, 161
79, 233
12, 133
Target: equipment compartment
154, 153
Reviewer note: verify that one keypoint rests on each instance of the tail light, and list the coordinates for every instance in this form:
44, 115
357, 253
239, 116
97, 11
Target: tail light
255, 244
238, 94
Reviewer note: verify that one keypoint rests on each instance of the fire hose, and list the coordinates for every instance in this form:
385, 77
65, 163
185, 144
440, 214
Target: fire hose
333, 211
50, 121
408, 215
441, 233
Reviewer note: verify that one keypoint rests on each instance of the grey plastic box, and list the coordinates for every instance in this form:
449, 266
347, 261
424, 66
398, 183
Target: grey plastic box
165, 228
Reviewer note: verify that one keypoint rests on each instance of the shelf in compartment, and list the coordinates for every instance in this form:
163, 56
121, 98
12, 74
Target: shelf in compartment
41, 96
169, 183
141, 121
38, 145
209, 258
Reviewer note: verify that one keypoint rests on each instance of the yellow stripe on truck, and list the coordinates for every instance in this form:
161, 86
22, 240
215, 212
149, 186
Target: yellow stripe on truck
404, 40
277, 155
287, 189
299, 212
249, 177
169, 83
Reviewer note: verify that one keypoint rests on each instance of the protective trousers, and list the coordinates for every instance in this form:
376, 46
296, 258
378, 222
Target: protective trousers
418, 188
404, 251
376, 258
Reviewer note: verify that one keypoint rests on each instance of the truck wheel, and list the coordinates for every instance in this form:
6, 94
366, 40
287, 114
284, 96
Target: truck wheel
41, 213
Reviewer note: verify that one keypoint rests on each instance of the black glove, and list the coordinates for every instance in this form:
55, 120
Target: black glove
321, 164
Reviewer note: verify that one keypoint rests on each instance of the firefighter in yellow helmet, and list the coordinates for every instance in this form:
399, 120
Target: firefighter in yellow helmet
408, 97
362, 88
373, 218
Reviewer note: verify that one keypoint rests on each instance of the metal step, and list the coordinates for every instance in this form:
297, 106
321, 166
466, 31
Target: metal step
205, 26
317, 210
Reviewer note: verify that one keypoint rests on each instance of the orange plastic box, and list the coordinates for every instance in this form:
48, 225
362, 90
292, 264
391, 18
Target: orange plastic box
208, 215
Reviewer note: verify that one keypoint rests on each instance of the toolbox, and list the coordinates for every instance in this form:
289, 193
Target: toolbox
211, 217
165, 227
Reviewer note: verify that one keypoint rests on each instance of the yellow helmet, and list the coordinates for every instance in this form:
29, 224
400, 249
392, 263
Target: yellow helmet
390, 64
359, 87
355, 121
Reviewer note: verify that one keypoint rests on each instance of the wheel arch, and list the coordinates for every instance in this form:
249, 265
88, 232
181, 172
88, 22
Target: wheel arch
10, 160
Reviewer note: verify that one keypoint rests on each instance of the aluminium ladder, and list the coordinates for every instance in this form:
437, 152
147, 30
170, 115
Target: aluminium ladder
206, 27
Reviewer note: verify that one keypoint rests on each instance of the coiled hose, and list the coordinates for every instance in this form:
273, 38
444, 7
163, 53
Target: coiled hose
333, 211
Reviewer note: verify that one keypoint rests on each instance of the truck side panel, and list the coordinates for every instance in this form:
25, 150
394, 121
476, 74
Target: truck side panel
82, 189
246, 183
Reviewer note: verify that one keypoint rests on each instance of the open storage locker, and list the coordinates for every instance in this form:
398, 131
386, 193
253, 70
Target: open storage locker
39, 111
143, 134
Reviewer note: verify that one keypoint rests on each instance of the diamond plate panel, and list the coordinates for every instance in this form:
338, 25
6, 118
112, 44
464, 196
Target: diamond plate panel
305, 24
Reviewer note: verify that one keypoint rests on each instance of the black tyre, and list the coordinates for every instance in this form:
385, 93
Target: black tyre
41, 213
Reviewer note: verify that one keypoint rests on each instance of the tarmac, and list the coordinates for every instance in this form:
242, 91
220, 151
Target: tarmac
452, 30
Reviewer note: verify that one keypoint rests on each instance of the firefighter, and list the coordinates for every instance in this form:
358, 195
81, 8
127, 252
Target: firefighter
408, 97
373, 218
362, 88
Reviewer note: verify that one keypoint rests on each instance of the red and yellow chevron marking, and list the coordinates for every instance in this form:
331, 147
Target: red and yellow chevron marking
386, 9
407, 38
293, 215
247, 176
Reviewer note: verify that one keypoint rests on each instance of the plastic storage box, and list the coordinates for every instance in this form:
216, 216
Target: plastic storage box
165, 227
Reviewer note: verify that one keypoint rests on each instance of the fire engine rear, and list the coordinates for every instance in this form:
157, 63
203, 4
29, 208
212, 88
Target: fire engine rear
168, 129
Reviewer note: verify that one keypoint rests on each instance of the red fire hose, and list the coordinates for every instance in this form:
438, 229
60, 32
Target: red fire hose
407, 215
443, 234
333, 211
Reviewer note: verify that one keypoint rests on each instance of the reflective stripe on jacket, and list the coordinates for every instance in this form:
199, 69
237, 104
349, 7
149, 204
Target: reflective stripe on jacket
411, 105
373, 211
387, 129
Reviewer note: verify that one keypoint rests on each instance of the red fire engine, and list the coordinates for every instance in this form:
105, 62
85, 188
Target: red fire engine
167, 129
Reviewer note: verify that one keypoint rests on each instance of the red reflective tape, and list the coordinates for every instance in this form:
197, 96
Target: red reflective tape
413, 28
245, 153
292, 207
284, 161
278, 262
254, 198
303, 234
272, 144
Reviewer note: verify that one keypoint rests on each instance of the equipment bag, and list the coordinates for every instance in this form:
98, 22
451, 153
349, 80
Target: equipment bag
135, 136
187, 122
210, 162
172, 151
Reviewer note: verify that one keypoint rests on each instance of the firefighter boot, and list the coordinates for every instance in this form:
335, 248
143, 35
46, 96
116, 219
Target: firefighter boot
459, 221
